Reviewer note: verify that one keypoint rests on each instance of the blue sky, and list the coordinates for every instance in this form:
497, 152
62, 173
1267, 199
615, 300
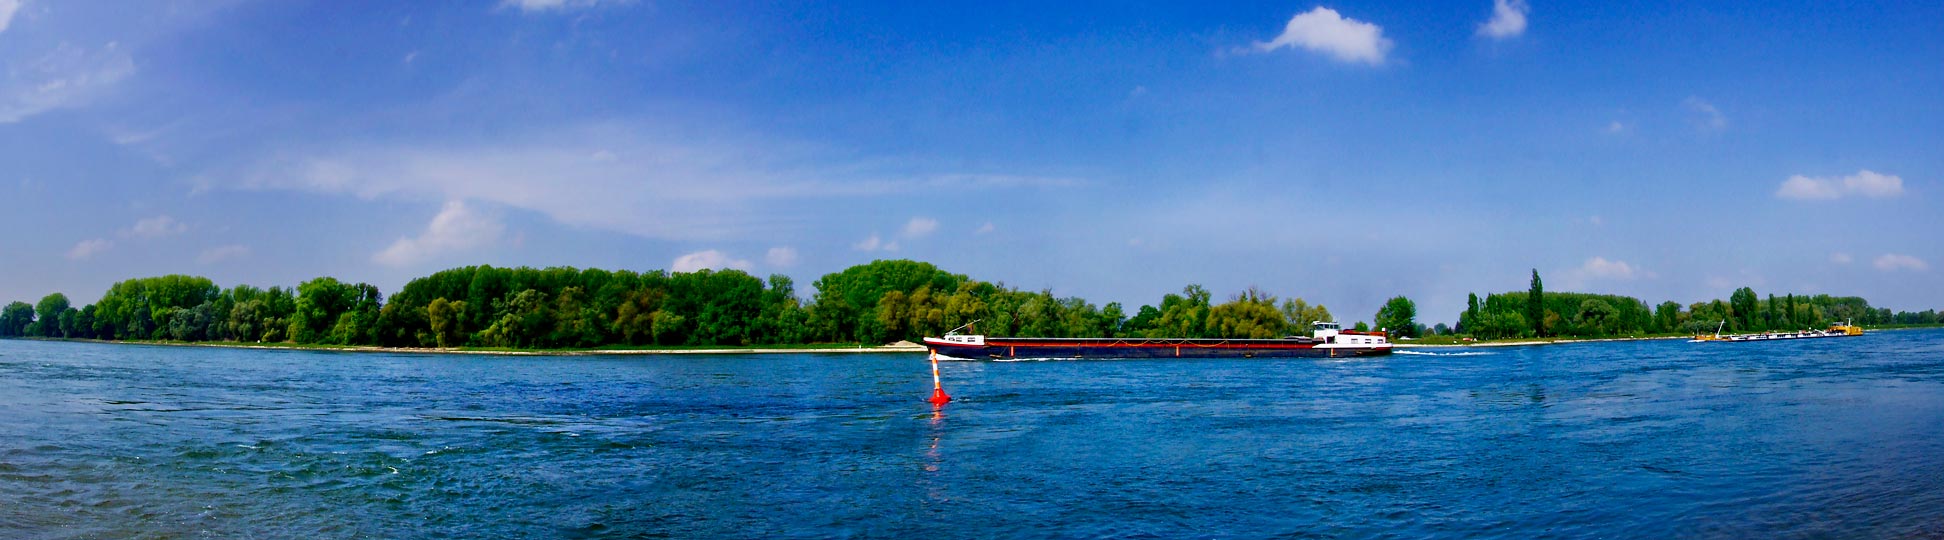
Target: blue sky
1341, 152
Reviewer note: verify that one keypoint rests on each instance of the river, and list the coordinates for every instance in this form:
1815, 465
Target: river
1833, 437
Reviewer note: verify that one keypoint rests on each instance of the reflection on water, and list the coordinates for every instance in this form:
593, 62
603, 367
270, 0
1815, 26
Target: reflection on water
1826, 438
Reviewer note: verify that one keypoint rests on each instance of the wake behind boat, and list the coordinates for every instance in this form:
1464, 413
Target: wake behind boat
1836, 330
1326, 340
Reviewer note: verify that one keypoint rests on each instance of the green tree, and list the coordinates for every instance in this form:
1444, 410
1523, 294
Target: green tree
15, 319
1597, 317
1743, 308
1469, 319
1536, 305
447, 321
846, 302
1184, 315
1300, 314
1250, 315
73, 324
335, 312
1667, 316
50, 309
1398, 316
522, 321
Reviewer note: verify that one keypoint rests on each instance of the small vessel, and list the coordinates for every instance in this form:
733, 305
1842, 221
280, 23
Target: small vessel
1326, 340
1835, 330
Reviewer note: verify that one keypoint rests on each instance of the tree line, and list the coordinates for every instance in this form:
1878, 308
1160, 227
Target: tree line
485, 306
879, 302
1538, 313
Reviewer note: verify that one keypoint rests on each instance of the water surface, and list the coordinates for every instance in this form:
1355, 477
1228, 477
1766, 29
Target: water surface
1821, 438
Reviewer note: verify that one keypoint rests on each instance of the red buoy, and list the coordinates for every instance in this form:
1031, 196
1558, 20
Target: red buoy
938, 397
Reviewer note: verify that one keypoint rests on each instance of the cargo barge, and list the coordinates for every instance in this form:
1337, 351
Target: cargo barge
1326, 340
1838, 330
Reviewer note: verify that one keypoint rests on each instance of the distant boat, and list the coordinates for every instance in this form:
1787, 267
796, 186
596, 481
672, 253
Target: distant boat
1837, 330
1326, 340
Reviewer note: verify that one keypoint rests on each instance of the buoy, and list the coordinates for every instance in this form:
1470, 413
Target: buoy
938, 397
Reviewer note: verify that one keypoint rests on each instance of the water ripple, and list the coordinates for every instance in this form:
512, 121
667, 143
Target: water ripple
1651, 439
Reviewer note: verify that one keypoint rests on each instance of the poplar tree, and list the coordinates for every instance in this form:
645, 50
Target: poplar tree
1536, 305
1471, 315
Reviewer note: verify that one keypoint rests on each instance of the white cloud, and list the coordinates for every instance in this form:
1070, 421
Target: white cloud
920, 226
223, 253
1616, 128
535, 6
1864, 183
868, 244
1706, 116
707, 259
1841, 258
781, 257
875, 243
156, 227
1323, 30
1891, 262
983, 229
1805, 188
69, 76
1508, 19
457, 228
89, 248
1601, 268
7, 10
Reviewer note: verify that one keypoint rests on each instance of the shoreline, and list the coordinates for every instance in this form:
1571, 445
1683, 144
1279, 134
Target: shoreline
896, 348
1564, 341
876, 349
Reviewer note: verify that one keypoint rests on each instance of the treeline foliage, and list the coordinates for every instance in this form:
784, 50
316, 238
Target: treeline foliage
484, 306
1511, 314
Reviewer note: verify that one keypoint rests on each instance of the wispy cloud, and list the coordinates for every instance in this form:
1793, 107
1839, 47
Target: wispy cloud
223, 253
1705, 115
1864, 183
983, 229
457, 227
89, 248
1508, 19
708, 259
7, 10
613, 178
918, 227
875, 243
781, 257
1891, 262
1841, 258
68, 76
156, 227
1325, 31
537, 6
1599, 268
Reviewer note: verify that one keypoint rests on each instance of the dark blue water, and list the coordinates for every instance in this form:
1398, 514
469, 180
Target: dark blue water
1823, 438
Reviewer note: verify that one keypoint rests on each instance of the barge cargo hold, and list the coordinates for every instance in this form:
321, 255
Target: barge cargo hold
1327, 340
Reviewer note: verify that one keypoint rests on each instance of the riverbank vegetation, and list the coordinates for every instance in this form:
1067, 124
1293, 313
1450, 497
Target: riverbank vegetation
1535, 313
485, 307
568, 308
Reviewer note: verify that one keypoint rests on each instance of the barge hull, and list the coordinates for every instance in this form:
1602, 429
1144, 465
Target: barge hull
1078, 350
